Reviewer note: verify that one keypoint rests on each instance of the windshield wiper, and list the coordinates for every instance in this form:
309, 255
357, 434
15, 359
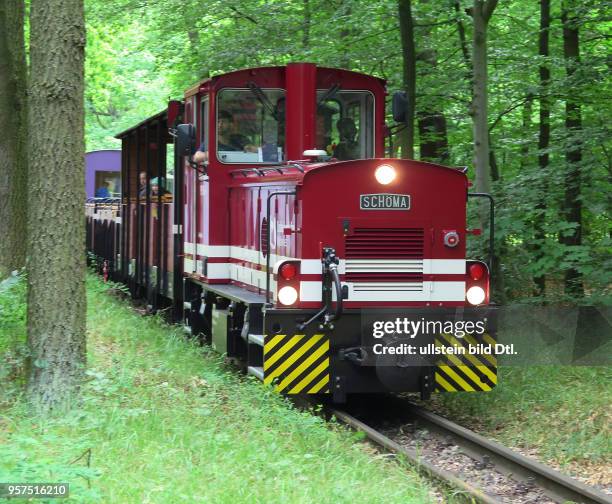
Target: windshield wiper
329, 94
263, 99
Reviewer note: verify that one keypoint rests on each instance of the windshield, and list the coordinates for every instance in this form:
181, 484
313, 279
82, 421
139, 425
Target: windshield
345, 124
250, 125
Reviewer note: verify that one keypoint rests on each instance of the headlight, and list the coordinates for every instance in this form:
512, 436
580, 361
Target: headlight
287, 295
385, 174
475, 295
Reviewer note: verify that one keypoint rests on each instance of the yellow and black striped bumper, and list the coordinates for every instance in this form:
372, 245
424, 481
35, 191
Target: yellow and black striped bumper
297, 364
466, 372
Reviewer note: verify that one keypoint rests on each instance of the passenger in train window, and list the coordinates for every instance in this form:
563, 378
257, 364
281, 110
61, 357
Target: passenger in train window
270, 149
227, 139
155, 187
348, 147
142, 185
102, 192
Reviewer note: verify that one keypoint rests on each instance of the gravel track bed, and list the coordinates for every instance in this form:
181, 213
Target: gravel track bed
443, 452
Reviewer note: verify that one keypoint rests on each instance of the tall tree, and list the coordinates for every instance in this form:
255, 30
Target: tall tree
573, 153
482, 11
433, 138
543, 134
56, 238
465, 51
345, 32
409, 61
13, 118
306, 28
526, 131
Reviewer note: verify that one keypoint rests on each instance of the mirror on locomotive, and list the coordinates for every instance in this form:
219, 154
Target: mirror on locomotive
185, 139
398, 106
175, 112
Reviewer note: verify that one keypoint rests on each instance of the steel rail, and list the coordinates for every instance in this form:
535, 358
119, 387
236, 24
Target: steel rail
422, 465
555, 485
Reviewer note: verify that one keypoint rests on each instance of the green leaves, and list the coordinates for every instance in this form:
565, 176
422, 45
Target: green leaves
140, 55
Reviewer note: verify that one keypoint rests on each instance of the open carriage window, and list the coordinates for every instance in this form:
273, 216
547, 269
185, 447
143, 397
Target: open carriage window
345, 124
250, 125
108, 184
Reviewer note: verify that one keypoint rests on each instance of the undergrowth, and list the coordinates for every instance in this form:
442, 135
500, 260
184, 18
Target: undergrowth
163, 421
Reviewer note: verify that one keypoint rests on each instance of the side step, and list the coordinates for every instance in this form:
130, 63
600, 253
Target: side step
256, 339
256, 371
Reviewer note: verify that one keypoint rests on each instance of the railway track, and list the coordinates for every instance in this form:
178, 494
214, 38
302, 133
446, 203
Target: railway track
511, 477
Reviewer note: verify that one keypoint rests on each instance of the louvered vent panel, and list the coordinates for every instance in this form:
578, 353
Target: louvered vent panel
385, 243
384, 255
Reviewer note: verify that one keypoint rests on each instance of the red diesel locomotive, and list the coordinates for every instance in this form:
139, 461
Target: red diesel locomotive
292, 233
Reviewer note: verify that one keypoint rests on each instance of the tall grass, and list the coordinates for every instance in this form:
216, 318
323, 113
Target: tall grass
562, 412
163, 421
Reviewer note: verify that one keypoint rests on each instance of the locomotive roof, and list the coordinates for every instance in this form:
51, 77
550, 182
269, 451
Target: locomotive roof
196, 87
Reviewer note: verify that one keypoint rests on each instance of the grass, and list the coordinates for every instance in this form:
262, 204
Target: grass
163, 421
562, 414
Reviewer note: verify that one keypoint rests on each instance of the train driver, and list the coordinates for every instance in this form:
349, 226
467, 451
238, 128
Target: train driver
227, 139
348, 147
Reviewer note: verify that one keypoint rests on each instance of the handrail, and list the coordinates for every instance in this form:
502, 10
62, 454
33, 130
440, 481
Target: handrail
270, 196
491, 224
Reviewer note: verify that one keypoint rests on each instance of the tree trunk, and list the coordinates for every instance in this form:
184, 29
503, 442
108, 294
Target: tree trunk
433, 139
543, 138
463, 39
526, 131
485, 163
470, 74
306, 29
346, 31
573, 154
481, 13
56, 241
409, 60
13, 119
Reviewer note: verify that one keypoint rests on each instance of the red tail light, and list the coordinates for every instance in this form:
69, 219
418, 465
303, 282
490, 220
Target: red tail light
288, 271
477, 271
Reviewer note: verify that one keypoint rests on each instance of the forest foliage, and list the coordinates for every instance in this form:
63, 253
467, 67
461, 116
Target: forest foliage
140, 54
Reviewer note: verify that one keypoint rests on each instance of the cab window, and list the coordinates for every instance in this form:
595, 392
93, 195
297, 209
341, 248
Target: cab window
250, 125
345, 124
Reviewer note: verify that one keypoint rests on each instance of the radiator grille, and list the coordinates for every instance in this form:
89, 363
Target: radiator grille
375, 255
385, 243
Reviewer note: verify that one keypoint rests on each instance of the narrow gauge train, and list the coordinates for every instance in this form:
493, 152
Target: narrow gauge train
292, 229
